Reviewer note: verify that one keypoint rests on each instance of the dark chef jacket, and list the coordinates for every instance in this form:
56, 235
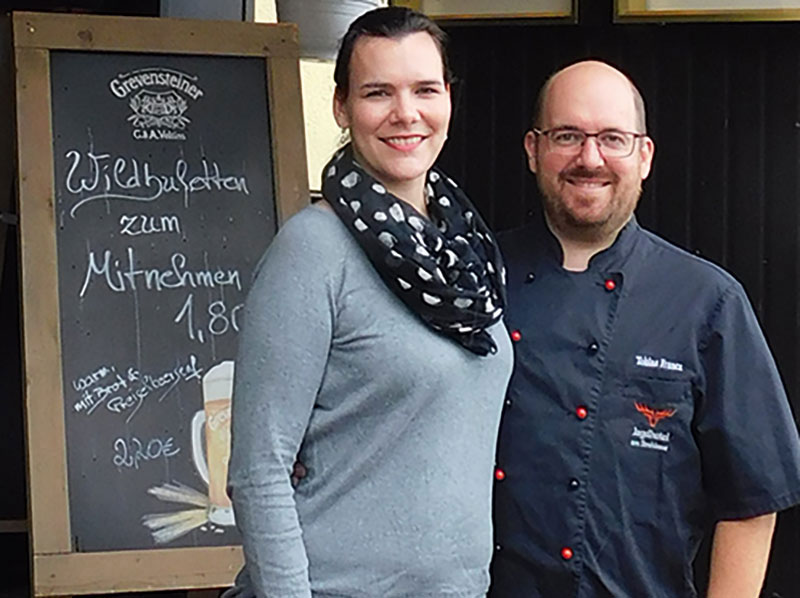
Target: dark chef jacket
644, 406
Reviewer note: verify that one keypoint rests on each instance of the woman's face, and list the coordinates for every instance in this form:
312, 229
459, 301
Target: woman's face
397, 108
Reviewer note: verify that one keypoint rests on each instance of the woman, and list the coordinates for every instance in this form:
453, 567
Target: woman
374, 353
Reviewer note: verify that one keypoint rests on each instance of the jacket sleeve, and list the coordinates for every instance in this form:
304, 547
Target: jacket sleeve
747, 436
283, 351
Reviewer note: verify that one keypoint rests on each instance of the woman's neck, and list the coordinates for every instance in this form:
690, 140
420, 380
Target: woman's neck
411, 192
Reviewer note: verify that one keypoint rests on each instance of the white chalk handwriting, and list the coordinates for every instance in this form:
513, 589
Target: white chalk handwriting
84, 382
122, 276
99, 176
127, 393
130, 452
144, 224
219, 320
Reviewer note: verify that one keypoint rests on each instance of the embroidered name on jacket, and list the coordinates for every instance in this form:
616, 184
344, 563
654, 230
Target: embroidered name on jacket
650, 439
645, 361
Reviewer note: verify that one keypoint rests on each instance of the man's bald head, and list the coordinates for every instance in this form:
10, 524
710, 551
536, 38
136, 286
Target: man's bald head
589, 67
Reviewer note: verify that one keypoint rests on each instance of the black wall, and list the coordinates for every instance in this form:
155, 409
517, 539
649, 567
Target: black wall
723, 103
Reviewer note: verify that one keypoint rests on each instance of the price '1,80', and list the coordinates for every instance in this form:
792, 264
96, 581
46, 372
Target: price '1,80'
220, 319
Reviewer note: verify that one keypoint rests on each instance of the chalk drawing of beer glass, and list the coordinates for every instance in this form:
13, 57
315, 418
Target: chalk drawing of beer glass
215, 421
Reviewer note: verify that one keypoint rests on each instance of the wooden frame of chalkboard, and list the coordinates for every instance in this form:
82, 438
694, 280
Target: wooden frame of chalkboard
57, 56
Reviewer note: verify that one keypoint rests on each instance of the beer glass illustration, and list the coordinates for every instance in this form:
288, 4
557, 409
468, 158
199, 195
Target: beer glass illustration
215, 420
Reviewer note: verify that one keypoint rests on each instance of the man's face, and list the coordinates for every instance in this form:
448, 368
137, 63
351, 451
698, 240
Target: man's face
588, 196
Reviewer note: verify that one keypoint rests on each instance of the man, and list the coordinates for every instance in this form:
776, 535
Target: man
645, 406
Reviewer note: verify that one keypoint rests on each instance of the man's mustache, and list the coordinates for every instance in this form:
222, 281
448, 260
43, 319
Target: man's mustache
581, 172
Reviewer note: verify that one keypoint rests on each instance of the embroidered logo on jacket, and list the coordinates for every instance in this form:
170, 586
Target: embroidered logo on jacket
649, 438
653, 415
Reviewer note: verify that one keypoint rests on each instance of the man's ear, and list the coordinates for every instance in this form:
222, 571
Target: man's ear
530, 148
646, 151
340, 110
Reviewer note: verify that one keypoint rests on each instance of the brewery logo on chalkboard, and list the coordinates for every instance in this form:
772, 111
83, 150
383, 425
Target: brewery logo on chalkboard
159, 99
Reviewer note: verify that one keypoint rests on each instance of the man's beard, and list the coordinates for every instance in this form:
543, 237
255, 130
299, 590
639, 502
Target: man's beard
619, 210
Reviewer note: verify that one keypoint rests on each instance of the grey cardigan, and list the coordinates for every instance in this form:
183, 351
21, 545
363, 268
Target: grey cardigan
395, 423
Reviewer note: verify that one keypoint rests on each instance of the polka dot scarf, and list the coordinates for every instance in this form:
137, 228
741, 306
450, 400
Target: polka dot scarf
448, 269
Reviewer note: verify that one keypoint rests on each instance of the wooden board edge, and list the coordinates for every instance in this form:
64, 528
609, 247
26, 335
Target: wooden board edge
136, 570
13, 526
524, 13
45, 436
150, 34
288, 137
637, 11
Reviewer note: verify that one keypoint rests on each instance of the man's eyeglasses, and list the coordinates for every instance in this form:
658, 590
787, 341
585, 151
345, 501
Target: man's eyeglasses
610, 142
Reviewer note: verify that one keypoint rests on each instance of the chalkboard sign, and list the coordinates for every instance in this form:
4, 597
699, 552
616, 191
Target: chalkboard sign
156, 160
163, 205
